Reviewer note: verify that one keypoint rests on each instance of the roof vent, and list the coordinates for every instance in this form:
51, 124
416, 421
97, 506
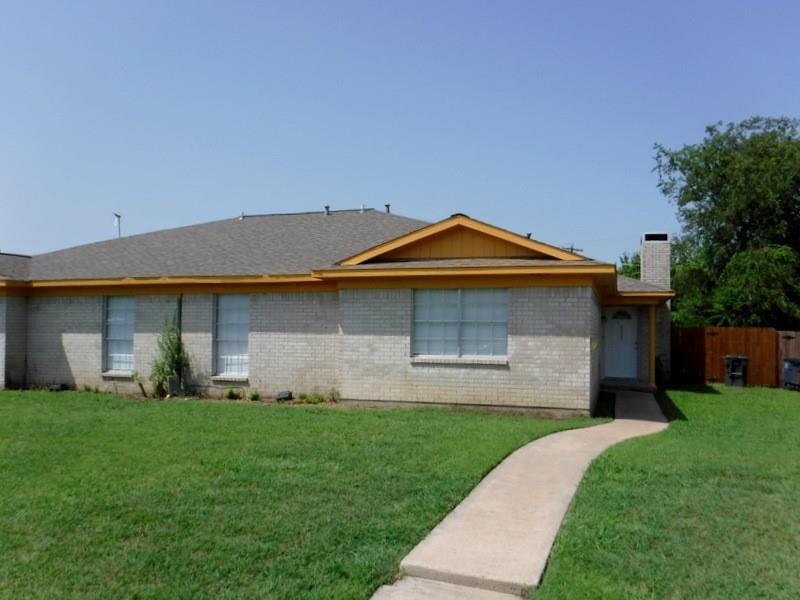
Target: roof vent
327, 209
388, 208
362, 209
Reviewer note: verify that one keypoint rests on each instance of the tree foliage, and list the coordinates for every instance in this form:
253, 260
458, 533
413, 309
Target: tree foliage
737, 192
630, 265
760, 286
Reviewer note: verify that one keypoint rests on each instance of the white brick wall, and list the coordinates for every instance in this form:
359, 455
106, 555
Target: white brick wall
549, 353
655, 255
65, 340
15, 340
596, 345
197, 321
357, 341
294, 341
152, 312
655, 262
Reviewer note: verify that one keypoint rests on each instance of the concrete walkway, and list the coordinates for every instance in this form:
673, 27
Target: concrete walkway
495, 544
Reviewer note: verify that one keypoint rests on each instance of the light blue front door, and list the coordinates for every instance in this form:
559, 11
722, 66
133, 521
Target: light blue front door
621, 342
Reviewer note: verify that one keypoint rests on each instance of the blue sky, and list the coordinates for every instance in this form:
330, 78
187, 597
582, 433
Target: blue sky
535, 116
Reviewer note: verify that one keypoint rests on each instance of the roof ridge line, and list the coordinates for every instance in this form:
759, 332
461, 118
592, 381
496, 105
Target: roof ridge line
308, 212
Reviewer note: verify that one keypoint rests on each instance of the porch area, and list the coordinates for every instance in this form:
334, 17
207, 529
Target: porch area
635, 343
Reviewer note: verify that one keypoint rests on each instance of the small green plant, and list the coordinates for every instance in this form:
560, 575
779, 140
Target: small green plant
232, 393
87, 388
312, 398
96, 390
171, 360
139, 380
255, 395
333, 395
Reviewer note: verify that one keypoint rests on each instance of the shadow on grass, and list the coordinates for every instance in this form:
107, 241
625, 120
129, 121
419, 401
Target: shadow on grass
669, 408
699, 388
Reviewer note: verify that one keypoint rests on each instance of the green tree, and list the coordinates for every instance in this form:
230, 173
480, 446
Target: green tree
736, 191
760, 287
692, 282
630, 265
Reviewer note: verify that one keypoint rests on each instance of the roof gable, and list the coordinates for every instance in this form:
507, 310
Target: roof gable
459, 237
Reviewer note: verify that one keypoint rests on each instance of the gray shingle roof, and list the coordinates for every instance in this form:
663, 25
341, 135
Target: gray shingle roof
628, 284
282, 244
255, 245
14, 266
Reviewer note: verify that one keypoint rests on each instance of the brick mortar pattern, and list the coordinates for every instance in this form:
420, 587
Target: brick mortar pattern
15, 341
357, 341
549, 352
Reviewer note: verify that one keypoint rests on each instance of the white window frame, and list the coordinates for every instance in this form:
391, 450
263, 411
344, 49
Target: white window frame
460, 339
236, 365
113, 363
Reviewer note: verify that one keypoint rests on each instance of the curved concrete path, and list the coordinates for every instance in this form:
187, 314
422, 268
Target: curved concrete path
495, 544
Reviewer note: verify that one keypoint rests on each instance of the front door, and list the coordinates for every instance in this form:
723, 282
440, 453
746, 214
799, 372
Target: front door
621, 343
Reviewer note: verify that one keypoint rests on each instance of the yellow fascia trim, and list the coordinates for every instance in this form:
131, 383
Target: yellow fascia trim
669, 294
497, 281
12, 287
165, 285
455, 221
193, 280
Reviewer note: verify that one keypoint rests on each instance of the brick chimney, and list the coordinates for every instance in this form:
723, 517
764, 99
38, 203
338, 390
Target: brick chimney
655, 254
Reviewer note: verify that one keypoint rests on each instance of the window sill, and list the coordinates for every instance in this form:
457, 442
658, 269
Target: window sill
460, 360
117, 374
231, 378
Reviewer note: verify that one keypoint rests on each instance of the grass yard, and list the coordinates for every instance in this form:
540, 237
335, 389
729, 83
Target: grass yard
709, 508
105, 496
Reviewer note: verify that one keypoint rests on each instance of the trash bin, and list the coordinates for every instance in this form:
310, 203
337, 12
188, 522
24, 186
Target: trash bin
736, 370
791, 373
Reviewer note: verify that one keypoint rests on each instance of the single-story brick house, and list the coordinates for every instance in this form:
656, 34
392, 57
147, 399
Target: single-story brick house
380, 307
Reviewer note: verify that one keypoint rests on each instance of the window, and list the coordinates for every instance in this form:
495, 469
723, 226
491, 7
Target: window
231, 331
119, 318
468, 322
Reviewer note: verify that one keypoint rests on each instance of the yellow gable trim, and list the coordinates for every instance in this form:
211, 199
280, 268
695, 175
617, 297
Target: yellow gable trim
387, 248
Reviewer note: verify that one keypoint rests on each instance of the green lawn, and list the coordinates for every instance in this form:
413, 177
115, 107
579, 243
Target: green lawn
709, 508
105, 496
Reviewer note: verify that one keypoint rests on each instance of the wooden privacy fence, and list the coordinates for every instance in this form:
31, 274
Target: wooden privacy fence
698, 353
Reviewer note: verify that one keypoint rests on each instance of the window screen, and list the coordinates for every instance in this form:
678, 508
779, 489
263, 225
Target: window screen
119, 319
460, 322
230, 335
